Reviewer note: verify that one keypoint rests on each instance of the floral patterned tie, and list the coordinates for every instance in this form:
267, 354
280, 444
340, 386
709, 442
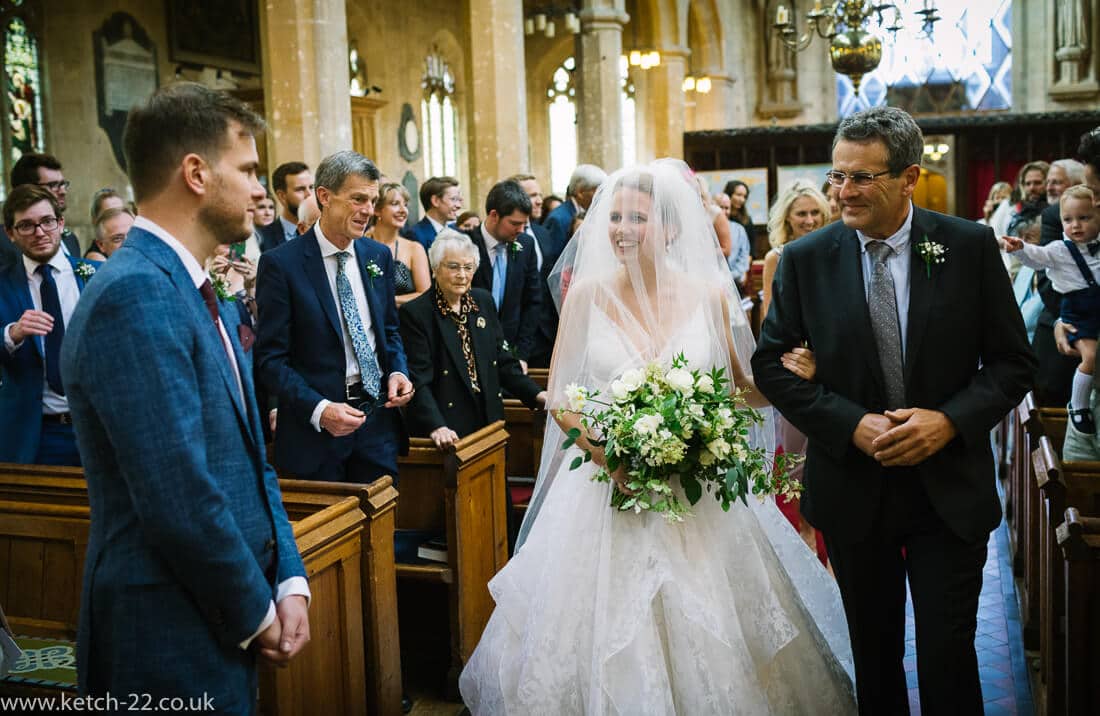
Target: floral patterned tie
368, 361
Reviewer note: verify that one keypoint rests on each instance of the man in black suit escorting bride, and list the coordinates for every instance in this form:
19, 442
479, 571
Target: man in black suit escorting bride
920, 352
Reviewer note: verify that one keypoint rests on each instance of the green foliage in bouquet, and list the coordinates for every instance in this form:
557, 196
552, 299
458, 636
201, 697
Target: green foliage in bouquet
659, 425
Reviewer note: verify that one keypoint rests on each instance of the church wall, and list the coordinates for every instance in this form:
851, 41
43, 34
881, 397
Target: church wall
73, 133
394, 40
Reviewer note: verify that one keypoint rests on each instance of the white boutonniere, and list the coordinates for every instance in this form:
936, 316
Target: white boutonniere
480, 322
932, 253
84, 270
373, 272
514, 248
221, 288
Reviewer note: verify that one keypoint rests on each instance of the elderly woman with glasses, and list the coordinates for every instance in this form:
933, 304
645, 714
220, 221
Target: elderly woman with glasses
458, 360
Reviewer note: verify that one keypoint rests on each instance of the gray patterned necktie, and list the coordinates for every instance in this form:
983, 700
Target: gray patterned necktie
364, 355
884, 323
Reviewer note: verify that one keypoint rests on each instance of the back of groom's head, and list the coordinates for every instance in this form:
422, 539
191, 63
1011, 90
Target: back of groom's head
180, 119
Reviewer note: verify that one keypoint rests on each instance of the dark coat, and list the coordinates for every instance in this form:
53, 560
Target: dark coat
519, 312
437, 368
967, 356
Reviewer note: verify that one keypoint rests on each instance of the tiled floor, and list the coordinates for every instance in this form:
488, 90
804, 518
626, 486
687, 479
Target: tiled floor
999, 641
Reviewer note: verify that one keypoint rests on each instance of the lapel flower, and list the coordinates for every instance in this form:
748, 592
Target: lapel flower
84, 270
931, 252
514, 248
373, 272
221, 288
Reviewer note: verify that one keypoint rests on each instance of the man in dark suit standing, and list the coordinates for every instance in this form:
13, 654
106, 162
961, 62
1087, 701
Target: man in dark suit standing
547, 252
328, 345
292, 183
38, 294
45, 171
899, 471
442, 200
508, 268
583, 183
191, 569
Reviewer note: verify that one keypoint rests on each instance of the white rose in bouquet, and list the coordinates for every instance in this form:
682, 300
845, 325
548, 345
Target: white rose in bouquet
681, 381
648, 424
706, 384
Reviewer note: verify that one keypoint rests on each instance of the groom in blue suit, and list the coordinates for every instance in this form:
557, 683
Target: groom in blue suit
38, 293
192, 571
328, 344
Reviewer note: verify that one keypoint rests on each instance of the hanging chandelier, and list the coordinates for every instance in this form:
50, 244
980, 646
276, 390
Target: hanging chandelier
854, 48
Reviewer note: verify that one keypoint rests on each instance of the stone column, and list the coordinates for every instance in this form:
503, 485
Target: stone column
496, 109
599, 88
305, 66
664, 103
714, 110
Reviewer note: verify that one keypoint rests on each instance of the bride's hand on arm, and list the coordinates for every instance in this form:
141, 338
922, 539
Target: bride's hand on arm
801, 362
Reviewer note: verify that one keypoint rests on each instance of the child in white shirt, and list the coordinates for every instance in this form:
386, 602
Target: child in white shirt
1073, 267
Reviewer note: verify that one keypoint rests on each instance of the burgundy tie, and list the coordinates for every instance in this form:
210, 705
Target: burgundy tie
207, 291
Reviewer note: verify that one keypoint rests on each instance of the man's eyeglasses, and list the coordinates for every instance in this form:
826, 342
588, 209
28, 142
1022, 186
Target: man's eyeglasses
837, 178
27, 228
56, 185
455, 268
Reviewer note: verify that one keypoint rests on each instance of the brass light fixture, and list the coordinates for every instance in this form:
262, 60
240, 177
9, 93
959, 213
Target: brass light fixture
544, 20
853, 48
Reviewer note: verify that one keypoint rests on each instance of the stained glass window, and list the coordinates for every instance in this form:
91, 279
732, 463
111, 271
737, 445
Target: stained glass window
440, 121
965, 65
24, 87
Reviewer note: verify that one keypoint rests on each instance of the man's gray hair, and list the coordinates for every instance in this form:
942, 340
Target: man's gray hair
448, 241
891, 126
585, 176
1075, 170
336, 168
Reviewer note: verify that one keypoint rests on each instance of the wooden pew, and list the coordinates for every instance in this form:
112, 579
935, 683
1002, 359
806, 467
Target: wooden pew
1061, 484
1025, 435
525, 430
44, 524
540, 376
459, 491
378, 502
1079, 539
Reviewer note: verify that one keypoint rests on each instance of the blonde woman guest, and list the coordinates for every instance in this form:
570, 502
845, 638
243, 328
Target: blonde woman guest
800, 209
411, 274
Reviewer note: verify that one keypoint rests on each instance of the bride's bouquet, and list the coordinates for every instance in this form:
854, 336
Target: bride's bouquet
660, 425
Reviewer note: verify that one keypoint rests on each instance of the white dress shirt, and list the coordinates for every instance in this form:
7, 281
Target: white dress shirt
293, 585
352, 373
1059, 264
435, 224
535, 241
898, 263
69, 293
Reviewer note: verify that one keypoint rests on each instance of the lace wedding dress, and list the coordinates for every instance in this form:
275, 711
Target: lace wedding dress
603, 612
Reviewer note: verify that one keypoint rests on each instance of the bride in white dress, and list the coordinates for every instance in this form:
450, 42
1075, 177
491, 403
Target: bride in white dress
606, 612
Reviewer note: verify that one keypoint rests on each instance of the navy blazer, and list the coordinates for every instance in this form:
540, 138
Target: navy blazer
271, 236
560, 224
22, 372
189, 537
967, 355
300, 342
424, 232
519, 311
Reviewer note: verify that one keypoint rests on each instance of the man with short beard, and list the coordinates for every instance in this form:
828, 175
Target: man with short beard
192, 571
38, 294
292, 183
1033, 199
